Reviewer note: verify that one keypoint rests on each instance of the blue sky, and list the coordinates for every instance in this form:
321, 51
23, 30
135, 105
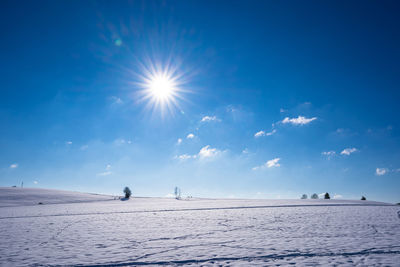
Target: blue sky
273, 98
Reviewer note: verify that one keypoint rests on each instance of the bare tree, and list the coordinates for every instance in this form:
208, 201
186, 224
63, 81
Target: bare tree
314, 196
177, 192
304, 196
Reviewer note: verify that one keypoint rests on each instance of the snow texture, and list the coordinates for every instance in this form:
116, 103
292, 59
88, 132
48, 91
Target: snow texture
93, 230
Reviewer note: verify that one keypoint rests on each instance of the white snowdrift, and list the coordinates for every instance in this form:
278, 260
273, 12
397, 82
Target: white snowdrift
15, 196
162, 231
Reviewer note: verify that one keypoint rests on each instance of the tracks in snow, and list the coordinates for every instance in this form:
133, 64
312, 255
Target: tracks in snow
253, 258
195, 209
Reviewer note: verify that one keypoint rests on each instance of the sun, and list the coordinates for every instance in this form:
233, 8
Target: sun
161, 87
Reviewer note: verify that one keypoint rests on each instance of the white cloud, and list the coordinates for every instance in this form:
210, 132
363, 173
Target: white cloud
273, 163
329, 154
84, 147
348, 151
282, 110
107, 172
35, 182
209, 118
14, 166
190, 136
381, 171
179, 141
68, 143
207, 152
245, 151
269, 164
262, 133
185, 157
300, 120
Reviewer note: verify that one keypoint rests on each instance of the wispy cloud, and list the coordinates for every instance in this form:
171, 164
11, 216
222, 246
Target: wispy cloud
381, 171
35, 182
269, 164
300, 120
205, 152
329, 154
14, 166
185, 157
116, 100
121, 141
190, 136
348, 151
209, 118
263, 133
179, 141
68, 143
106, 172
208, 152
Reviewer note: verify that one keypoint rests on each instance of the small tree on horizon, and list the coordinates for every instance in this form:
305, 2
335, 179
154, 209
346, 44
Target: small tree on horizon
327, 196
127, 192
304, 196
177, 192
314, 196
363, 198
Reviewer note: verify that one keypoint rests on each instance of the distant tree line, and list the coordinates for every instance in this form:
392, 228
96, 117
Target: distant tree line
326, 196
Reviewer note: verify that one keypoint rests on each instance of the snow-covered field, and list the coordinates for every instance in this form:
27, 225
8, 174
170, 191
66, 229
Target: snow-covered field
85, 229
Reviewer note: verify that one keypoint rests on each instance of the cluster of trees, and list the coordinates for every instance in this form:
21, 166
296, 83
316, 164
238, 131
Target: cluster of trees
315, 196
326, 196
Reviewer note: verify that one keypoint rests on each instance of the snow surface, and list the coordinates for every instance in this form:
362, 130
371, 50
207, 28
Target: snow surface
95, 230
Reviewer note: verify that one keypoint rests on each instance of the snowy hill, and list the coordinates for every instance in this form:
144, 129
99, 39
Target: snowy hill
14, 196
83, 229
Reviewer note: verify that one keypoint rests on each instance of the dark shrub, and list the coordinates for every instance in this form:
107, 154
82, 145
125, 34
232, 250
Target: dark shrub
304, 196
314, 196
363, 198
127, 192
327, 196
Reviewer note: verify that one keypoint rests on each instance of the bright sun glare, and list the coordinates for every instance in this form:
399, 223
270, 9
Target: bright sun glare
161, 87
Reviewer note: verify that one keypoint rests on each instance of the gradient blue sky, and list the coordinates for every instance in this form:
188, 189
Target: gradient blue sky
317, 80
